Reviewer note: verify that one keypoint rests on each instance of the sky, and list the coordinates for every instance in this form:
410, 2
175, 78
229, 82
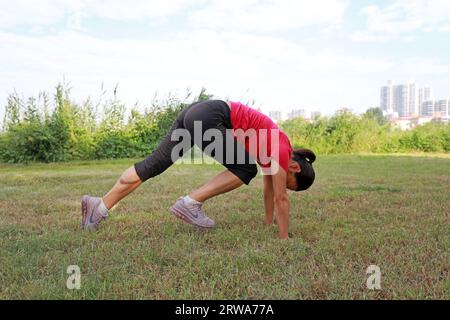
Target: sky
284, 54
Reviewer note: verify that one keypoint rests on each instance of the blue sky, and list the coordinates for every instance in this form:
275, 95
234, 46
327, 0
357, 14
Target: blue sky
285, 54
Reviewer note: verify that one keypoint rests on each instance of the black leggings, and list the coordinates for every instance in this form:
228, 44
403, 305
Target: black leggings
213, 114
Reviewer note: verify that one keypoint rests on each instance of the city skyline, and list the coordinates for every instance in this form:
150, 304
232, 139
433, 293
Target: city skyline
409, 100
326, 54
306, 113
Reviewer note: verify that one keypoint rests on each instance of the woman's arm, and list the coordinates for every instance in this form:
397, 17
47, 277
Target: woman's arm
281, 201
269, 205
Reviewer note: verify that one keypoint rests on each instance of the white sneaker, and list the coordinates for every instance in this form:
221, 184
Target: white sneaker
192, 214
91, 219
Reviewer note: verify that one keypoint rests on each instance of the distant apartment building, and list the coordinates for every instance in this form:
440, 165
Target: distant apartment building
386, 98
427, 108
410, 123
276, 116
442, 109
438, 109
425, 94
400, 100
431, 110
405, 100
299, 113
413, 103
403, 124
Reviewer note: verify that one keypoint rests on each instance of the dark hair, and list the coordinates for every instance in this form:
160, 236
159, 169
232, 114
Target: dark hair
305, 178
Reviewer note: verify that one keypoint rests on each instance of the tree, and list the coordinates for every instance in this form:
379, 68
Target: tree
13, 110
377, 115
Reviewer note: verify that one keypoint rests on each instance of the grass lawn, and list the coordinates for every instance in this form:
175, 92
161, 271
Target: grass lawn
391, 211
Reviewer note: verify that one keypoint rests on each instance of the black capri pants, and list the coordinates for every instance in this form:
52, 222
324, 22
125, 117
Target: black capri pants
213, 114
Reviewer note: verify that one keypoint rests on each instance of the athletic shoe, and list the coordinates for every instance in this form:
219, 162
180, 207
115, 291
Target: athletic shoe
91, 219
192, 214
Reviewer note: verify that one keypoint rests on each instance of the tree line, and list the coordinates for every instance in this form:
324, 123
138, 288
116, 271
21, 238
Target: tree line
55, 128
346, 132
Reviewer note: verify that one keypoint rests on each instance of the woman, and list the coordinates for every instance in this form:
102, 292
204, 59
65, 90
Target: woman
251, 133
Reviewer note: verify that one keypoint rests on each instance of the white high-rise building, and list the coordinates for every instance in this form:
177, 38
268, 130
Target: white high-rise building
438, 109
401, 99
413, 103
442, 108
425, 94
386, 98
428, 108
413, 106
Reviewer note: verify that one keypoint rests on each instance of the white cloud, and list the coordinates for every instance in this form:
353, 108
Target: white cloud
136, 9
364, 36
272, 70
402, 17
260, 15
50, 12
220, 54
25, 12
269, 15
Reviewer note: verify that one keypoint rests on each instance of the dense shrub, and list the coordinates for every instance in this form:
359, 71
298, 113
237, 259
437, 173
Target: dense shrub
38, 130
31, 142
58, 129
348, 133
431, 137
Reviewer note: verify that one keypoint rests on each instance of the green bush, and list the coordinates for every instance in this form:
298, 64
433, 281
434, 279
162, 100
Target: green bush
348, 133
432, 137
38, 130
31, 142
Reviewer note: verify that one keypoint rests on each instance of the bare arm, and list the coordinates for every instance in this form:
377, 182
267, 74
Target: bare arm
281, 201
269, 205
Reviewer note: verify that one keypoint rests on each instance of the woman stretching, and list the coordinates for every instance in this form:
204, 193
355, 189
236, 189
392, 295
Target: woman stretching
241, 136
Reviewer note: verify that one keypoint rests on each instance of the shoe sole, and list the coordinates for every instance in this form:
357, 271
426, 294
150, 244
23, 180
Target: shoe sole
180, 215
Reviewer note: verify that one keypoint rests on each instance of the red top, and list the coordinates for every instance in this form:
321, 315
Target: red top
265, 140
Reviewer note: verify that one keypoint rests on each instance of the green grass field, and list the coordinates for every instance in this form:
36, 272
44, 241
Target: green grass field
391, 211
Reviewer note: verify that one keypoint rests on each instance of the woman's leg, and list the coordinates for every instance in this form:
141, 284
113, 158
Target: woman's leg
127, 183
155, 164
95, 210
222, 183
190, 209
215, 115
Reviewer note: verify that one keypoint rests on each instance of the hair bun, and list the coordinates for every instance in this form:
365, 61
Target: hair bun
309, 155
